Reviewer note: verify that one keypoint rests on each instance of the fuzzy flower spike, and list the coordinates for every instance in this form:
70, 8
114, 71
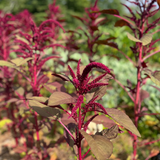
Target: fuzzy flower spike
81, 82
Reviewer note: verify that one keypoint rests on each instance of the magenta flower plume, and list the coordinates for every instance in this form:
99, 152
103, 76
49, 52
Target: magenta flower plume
81, 82
93, 65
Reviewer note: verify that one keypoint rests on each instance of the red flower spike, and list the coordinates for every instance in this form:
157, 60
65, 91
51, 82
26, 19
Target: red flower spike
78, 69
78, 104
89, 67
96, 105
98, 78
89, 87
71, 72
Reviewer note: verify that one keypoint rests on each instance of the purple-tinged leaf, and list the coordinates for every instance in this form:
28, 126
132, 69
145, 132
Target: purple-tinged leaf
110, 133
100, 92
89, 96
65, 120
102, 119
44, 110
143, 95
101, 147
72, 127
123, 120
58, 98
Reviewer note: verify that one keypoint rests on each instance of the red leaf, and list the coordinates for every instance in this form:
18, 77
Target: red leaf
108, 11
121, 23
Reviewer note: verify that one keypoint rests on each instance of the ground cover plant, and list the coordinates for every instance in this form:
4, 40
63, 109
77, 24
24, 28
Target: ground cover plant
35, 97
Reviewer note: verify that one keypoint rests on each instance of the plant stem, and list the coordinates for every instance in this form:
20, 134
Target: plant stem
79, 128
136, 104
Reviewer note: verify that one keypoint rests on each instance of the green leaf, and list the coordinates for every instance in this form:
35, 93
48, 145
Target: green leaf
101, 147
146, 39
44, 110
58, 98
39, 99
155, 77
133, 38
8, 64
20, 61
123, 120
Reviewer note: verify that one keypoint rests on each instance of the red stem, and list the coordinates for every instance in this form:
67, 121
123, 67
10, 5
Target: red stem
136, 104
79, 127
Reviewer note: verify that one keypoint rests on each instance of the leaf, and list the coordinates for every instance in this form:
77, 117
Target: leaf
111, 133
20, 91
44, 110
39, 99
65, 120
146, 39
133, 38
143, 95
128, 21
121, 23
72, 127
102, 119
100, 92
123, 120
22, 39
58, 98
51, 88
108, 11
154, 77
8, 64
19, 61
101, 147
63, 77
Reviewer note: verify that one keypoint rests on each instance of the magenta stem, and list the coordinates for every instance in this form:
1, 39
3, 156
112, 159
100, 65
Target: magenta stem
136, 104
